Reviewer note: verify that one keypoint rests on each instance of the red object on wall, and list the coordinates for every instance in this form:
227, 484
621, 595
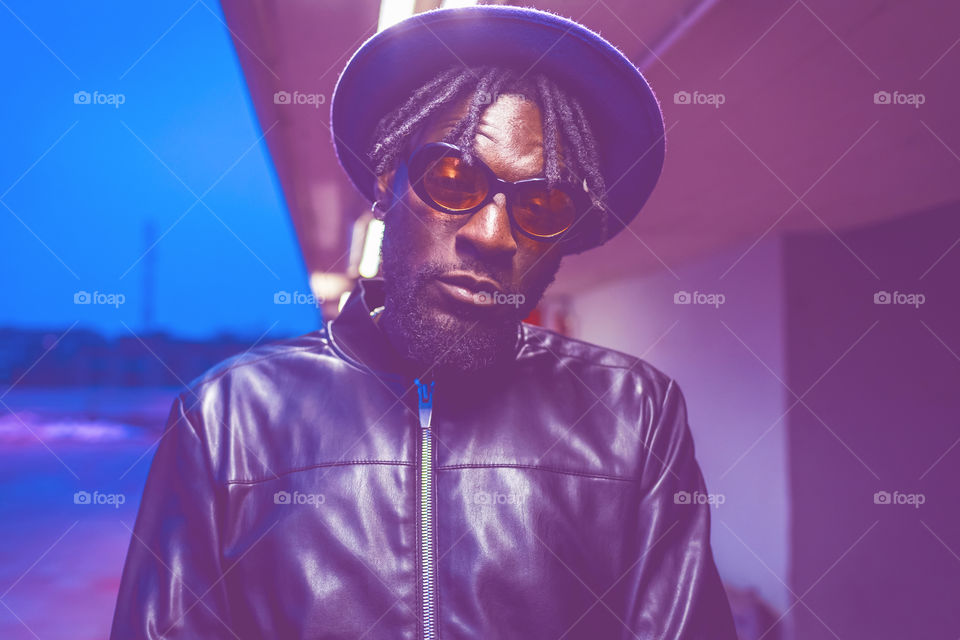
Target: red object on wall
535, 317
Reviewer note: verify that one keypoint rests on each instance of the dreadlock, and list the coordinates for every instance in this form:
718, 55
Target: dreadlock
564, 124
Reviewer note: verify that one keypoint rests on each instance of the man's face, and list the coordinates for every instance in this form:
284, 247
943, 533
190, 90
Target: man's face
437, 266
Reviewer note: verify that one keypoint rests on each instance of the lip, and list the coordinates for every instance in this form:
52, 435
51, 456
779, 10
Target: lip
468, 288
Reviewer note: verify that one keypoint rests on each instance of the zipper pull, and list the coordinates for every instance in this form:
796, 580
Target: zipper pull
425, 402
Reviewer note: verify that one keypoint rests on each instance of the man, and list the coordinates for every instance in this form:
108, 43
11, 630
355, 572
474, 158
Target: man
426, 465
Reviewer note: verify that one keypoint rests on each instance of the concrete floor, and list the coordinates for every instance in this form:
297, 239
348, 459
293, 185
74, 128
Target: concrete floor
60, 560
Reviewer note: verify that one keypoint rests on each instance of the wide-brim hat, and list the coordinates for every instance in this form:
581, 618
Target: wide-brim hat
622, 110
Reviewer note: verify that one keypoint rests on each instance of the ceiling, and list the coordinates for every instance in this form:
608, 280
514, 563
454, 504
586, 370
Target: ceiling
798, 143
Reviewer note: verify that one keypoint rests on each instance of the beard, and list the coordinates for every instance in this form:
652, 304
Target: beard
457, 338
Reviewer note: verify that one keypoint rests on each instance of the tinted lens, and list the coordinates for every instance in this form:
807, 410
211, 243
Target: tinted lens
543, 212
453, 184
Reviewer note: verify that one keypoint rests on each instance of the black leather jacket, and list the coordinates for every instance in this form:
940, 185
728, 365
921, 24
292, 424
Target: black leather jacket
284, 500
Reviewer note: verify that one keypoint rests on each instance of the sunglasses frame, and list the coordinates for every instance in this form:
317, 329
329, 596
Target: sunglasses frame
580, 198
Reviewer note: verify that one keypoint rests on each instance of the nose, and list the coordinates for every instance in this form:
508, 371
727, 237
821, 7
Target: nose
488, 230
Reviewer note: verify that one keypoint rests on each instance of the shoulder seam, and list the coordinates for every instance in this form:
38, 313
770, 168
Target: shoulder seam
219, 374
636, 359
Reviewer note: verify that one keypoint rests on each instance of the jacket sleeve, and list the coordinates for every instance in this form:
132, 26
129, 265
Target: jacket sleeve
677, 592
171, 585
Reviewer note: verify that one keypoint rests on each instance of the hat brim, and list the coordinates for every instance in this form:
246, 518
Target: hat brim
623, 111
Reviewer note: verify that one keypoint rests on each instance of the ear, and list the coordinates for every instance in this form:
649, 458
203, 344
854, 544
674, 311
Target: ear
384, 194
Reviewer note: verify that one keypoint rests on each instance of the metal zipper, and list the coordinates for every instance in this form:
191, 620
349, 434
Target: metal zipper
425, 403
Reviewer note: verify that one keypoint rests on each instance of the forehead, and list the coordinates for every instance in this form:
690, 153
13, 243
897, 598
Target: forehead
509, 135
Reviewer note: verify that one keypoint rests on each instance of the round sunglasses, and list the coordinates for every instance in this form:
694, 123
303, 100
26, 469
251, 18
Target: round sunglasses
440, 176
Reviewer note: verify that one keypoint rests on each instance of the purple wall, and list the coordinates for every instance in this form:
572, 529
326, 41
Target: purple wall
729, 362
884, 417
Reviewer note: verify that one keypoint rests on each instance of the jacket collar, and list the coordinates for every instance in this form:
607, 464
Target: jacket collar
358, 340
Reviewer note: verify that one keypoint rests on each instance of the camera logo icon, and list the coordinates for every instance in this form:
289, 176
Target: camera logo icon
681, 97
281, 97
81, 97
881, 97
281, 297
281, 497
81, 497
681, 297
681, 497
882, 297
881, 497
483, 298
81, 297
